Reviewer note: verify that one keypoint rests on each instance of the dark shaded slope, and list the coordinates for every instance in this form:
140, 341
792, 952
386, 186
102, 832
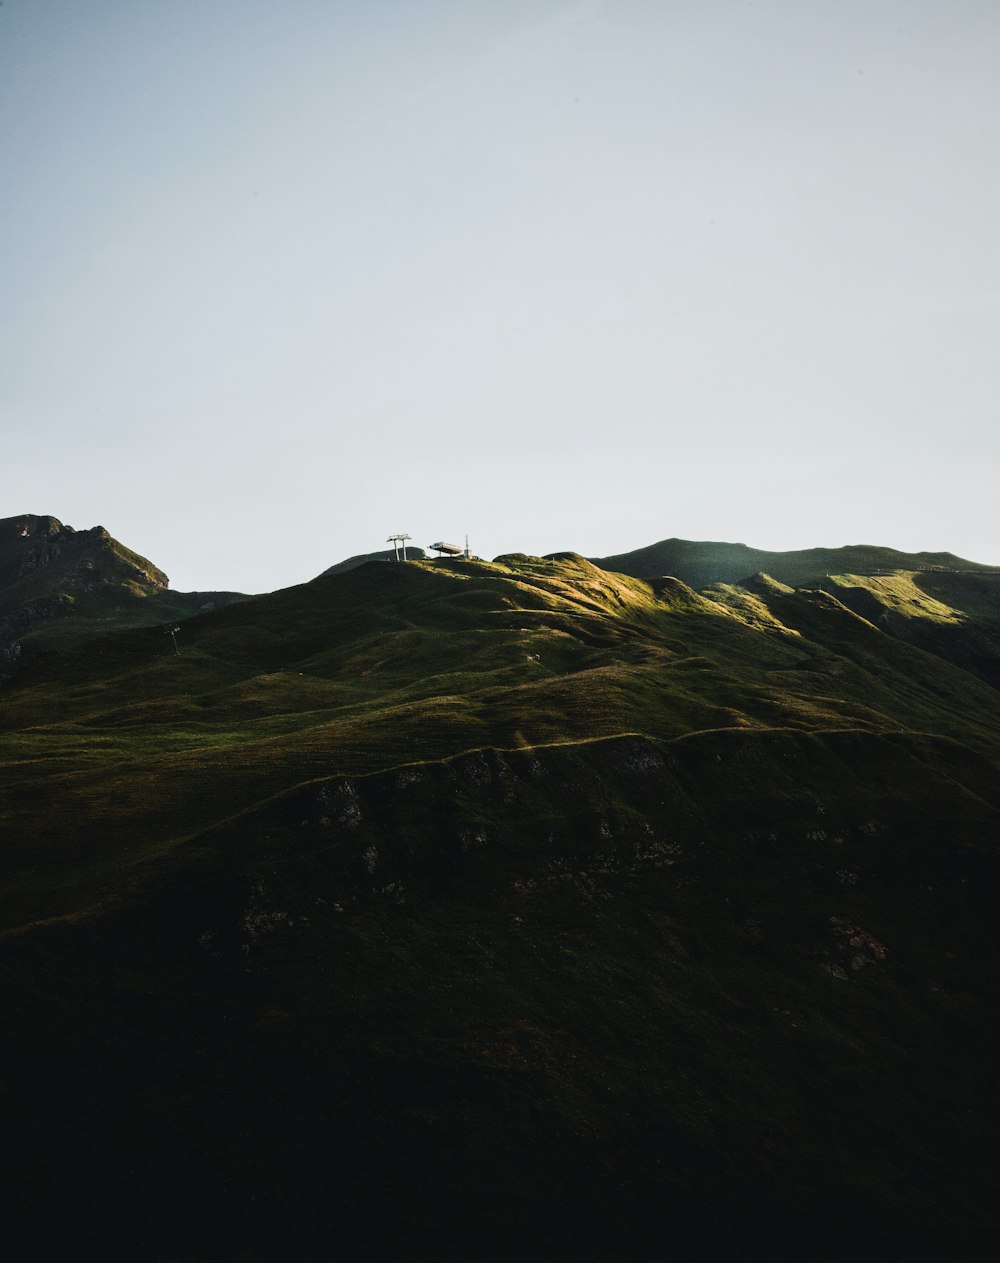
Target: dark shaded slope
734, 992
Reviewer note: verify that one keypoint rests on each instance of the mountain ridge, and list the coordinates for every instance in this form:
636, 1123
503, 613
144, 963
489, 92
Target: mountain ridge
703, 562
46, 567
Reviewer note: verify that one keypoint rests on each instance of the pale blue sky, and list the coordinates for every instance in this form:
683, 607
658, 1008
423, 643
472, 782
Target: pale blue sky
279, 279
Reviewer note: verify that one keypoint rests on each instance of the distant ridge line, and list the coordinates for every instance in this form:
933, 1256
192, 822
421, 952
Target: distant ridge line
700, 563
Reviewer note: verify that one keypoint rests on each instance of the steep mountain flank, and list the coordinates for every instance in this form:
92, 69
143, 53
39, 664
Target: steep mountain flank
961, 624
735, 991
953, 615
39, 555
59, 585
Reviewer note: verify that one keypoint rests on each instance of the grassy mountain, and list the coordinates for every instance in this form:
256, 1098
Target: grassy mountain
467, 909
388, 554
701, 562
61, 586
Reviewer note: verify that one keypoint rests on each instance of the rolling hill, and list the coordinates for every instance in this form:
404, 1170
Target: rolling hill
700, 562
388, 554
472, 909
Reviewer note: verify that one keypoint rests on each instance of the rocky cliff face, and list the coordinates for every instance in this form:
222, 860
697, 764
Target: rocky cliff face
59, 557
47, 568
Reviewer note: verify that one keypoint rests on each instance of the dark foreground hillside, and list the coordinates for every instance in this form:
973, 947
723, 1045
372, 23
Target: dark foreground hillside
519, 909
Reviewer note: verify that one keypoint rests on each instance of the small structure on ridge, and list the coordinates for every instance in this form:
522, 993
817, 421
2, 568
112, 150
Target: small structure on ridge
399, 541
451, 550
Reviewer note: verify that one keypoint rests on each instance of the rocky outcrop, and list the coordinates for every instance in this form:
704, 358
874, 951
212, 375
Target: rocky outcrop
47, 567
55, 556
23, 620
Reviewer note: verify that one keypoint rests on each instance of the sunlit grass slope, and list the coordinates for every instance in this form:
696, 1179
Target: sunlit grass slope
390, 664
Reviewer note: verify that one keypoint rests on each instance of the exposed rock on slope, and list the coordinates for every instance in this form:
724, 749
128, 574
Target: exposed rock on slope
40, 556
58, 584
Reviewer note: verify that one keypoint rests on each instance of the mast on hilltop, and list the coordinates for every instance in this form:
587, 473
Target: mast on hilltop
399, 541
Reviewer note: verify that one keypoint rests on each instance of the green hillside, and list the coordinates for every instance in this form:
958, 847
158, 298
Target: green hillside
388, 554
524, 908
702, 562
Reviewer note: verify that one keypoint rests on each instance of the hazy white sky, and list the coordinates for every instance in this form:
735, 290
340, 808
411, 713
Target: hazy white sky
279, 279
